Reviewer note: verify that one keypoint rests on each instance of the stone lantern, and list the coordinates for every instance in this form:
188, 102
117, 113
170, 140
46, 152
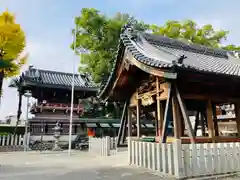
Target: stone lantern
57, 134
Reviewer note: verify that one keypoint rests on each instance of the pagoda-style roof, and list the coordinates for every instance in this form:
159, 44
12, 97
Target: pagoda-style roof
159, 55
55, 79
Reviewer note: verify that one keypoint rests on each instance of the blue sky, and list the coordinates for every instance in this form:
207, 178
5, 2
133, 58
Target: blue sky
48, 24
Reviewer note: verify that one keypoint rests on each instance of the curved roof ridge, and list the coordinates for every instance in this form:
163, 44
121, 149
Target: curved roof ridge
58, 78
52, 71
197, 58
192, 47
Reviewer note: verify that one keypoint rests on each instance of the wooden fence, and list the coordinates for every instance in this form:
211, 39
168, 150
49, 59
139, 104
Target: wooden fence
185, 160
11, 143
104, 146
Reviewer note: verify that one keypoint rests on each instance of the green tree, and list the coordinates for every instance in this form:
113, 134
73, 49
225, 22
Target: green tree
189, 31
99, 35
12, 44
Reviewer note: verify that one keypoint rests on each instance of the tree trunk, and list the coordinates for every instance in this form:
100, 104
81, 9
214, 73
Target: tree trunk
19, 111
1, 83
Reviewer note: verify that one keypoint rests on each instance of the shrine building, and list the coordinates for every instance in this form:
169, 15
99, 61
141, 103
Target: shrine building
171, 81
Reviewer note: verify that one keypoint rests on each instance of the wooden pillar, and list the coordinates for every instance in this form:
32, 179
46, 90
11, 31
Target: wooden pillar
182, 127
202, 124
129, 122
237, 111
196, 123
176, 117
138, 110
156, 123
121, 129
215, 123
159, 109
184, 114
210, 122
125, 127
166, 114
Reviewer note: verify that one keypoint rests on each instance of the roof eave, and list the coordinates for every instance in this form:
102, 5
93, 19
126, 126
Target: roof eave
59, 86
104, 94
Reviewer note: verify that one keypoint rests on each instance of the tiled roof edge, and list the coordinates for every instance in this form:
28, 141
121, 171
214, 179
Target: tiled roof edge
111, 77
178, 44
91, 84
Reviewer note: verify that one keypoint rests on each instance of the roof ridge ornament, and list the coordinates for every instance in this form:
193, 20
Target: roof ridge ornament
237, 54
130, 28
233, 55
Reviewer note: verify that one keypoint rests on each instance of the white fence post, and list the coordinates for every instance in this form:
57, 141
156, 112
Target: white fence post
8, 141
101, 146
133, 152
140, 153
164, 158
12, 140
179, 168
170, 159
144, 154
159, 157
185, 160
108, 149
154, 157
148, 155
4, 141
130, 158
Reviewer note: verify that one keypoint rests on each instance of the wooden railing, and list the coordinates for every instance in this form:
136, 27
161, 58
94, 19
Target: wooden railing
185, 160
59, 106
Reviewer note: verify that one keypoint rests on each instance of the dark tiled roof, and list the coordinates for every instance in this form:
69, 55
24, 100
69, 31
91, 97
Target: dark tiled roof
54, 78
163, 52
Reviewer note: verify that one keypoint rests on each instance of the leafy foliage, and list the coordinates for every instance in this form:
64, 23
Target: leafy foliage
95, 108
12, 44
99, 36
189, 31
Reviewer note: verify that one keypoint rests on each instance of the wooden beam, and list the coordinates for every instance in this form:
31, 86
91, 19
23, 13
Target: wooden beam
214, 98
196, 123
138, 109
156, 123
185, 116
215, 121
166, 114
176, 117
202, 124
182, 130
149, 69
124, 128
129, 122
159, 109
210, 122
120, 131
237, 111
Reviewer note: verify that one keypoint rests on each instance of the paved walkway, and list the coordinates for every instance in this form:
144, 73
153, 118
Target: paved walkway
79, 166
